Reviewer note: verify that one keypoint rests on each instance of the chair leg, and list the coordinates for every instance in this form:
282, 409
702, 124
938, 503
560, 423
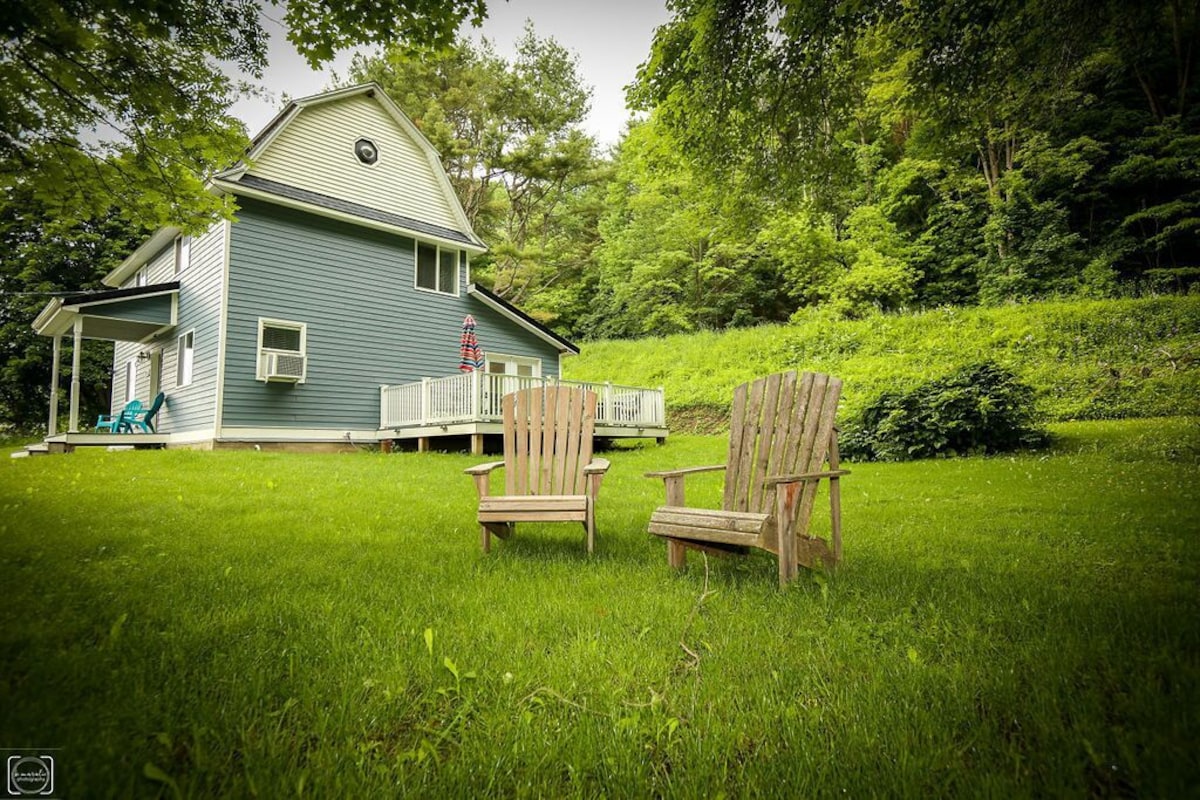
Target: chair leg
676, 554
786, 497
485, 536
590, 525
835, 518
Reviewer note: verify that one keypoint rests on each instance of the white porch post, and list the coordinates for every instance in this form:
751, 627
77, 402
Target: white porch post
476, 396
73, 425
52, 424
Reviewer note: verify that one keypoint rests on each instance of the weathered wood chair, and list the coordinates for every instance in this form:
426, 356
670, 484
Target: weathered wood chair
782, 442
550, 475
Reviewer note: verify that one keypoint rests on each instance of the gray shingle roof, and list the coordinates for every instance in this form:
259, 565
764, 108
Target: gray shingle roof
354, 209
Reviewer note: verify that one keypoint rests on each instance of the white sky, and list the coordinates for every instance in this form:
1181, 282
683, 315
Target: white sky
611, 38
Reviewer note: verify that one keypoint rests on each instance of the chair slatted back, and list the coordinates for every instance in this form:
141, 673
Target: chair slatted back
781, 425
548, 434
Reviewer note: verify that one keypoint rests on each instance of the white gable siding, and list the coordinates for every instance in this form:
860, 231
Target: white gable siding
315, 151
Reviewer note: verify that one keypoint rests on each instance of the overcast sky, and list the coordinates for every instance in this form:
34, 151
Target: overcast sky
611, 39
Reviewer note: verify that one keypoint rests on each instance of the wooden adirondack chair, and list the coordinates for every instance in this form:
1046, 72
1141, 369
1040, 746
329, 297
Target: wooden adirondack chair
781, 439
550, 475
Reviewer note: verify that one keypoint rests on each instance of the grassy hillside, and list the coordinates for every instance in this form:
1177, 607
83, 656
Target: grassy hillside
1105, 359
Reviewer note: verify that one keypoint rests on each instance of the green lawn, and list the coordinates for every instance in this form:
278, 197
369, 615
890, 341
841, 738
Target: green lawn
265, 624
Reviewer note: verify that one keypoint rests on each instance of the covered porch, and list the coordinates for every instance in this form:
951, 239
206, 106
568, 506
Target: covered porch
469, 404
139, 314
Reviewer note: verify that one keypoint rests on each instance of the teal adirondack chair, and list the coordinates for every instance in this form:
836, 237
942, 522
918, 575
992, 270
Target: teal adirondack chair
142, 418
113, 422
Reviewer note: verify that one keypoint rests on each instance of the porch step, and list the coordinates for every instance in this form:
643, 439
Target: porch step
39, 449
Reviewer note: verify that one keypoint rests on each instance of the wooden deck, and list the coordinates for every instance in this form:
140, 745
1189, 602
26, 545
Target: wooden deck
470, 404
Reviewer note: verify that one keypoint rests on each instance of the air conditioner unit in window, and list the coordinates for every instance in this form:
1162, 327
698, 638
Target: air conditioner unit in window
283, 367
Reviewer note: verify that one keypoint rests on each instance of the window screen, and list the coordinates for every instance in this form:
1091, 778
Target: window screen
427, 266
281, 338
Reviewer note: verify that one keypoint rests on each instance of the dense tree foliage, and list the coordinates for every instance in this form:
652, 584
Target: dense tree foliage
123, 104
1008, 148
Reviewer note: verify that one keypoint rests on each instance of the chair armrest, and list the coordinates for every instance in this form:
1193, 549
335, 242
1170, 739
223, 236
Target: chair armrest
775, 480
483, 469
598, 467
676, 473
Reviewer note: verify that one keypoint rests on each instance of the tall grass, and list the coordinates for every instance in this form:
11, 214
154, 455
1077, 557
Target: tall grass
263, 624
1104, 359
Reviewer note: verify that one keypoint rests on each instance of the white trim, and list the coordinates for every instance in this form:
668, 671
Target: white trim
297, 435
222, 329
341, 216
260, 351
182, 253
507, 314
370, 141
437, 267
80, 304
179, 360
191, 437
145, 252
156, 359
533, 361
131, 372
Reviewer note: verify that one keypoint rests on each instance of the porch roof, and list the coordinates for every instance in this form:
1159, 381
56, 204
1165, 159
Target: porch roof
135, 314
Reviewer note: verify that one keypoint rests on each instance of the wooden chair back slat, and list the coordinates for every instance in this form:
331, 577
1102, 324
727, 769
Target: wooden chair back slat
784, 425
820, 452
548, 440
508, 411
737, 418
781, 424
766, 437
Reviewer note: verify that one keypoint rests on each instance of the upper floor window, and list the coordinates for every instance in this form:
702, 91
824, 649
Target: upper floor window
183, 253
140, 279
437, 268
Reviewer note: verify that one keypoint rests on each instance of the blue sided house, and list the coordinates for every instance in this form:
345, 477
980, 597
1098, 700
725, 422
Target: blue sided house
332, 311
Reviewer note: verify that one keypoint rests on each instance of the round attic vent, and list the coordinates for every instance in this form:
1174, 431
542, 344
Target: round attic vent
366, 151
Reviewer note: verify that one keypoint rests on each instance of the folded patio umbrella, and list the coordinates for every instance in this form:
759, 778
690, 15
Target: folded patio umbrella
470, 356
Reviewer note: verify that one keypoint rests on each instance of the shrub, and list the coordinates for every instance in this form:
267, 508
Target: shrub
981, 408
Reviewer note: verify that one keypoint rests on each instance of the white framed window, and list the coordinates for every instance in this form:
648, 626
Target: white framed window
140, 278
130, 379
282, 350
437, 268
185, 355
523, 366
183, 253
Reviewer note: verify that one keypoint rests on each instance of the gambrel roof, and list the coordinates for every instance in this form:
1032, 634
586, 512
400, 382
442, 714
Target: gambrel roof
306, 158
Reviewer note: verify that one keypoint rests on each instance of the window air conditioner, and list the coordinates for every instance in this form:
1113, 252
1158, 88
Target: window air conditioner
284, 367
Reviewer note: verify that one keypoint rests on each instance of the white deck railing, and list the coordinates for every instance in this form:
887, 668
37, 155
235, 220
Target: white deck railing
475, 397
